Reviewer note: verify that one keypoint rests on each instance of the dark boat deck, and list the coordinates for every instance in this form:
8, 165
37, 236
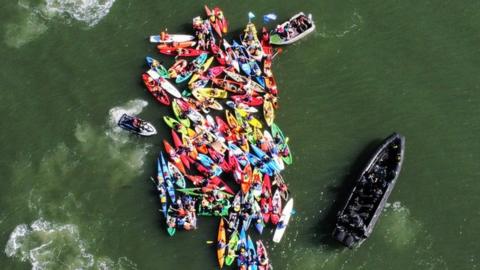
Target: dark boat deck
358, 217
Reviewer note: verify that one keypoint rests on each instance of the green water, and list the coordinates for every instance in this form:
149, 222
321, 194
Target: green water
75, 192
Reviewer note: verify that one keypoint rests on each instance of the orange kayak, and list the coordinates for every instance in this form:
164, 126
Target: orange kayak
174, 157
221, 243
184, 44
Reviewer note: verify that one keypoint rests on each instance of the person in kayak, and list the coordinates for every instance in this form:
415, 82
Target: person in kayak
243, 255
231, 252
187, 226
221, 244
171, 223
164, 35
283, 188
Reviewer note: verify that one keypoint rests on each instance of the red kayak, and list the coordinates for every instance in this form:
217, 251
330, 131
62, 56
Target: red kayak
221, 184
267, 48
219, 158
196, 180
202, 169
184, 105
222, 126
266, 201
271, 85
276, 208
267, 67
214, 22
220, 55
174, 157
248, 99
158, 93
181, 51
179, 67
221, 18
209, 184
181, 150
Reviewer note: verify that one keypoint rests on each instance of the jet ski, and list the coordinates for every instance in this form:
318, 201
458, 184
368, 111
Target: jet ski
136, 125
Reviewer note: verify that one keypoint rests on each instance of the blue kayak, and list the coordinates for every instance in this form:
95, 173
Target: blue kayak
168, 180
242, 259
205, 160
193, 66
239, 154
159, 68
256, 162
242, 58
265, 158
183, 77
252, 254
162, 190
259, 224
210, 164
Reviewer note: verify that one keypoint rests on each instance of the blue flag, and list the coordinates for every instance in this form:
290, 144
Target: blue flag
269, 17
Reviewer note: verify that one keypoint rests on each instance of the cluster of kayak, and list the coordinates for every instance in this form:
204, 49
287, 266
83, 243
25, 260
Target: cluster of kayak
226, 153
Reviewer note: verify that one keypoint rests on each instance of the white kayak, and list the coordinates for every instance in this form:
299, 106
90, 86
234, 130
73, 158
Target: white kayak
169, 87
152, 73
282, 224
242, 106
171, 38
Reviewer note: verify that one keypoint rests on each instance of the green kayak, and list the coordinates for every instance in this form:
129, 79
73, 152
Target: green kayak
196, 191
171, 223
211, 209
178, 114
283, 144
232, 248
175, 125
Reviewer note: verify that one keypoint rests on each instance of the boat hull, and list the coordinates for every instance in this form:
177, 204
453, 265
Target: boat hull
368, 198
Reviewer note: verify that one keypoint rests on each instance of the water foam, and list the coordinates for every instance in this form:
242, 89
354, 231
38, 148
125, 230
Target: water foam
34, 17
29, 28
400, 229
87, 11
47, 245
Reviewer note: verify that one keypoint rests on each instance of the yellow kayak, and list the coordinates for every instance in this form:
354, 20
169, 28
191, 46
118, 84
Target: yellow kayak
211, 92
254, 122
257, 134
232, 122
202, 69
207, 102
268, 112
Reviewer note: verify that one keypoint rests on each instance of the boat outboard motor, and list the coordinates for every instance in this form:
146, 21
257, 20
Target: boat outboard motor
340, 234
